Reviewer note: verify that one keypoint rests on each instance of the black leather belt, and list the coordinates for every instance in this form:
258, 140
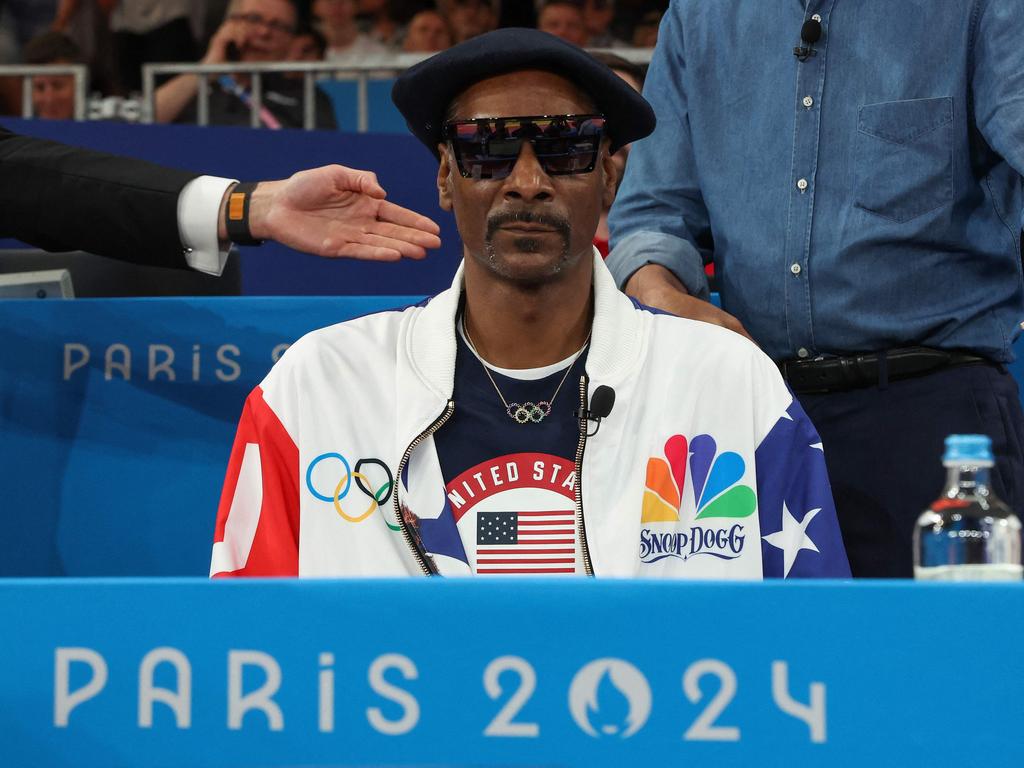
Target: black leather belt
836, 374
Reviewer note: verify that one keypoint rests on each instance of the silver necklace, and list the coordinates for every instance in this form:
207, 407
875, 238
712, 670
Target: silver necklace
527, 412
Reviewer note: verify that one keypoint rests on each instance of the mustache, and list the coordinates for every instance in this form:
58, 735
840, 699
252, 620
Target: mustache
558, 223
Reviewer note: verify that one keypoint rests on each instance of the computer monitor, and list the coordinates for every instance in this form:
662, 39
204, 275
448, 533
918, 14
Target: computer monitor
41, 284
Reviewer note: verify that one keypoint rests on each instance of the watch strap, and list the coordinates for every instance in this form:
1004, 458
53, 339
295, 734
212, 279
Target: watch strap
237, 214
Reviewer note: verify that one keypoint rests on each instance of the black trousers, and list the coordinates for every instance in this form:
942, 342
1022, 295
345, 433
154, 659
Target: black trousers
883, 449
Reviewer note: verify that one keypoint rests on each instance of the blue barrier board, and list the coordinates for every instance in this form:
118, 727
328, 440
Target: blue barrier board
541, 673
117, 418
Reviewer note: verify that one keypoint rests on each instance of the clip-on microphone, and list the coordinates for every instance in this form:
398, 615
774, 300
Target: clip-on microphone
601, 403
810, 33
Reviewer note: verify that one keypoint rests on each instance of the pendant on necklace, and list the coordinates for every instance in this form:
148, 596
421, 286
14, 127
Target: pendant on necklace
528, 412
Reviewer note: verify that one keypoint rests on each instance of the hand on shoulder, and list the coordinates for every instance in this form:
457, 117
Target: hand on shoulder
657, 287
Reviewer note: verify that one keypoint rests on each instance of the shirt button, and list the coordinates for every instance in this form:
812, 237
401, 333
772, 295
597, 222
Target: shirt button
808, 102
795, 269
802, 352
802, 185
817, 17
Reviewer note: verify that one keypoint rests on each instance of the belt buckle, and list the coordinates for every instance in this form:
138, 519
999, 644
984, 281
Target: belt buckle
810, 376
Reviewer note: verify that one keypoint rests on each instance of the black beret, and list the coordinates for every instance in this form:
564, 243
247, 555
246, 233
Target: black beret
424, 92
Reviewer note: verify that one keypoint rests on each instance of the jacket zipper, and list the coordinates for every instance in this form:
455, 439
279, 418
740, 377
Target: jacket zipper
581, 527
417, 551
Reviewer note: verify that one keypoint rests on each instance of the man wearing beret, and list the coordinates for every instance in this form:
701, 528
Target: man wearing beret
530, 420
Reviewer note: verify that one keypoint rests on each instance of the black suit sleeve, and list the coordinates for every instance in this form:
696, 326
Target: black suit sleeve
63, 198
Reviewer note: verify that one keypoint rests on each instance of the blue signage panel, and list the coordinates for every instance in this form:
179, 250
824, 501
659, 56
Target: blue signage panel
117, 418
468, 673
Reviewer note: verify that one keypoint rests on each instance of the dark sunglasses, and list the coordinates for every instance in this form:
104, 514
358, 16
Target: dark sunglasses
488, 147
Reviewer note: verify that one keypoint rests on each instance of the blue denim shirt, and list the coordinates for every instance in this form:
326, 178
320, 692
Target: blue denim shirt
865, 199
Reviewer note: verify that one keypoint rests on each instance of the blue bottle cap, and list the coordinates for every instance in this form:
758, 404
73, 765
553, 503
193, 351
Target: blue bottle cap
968, 448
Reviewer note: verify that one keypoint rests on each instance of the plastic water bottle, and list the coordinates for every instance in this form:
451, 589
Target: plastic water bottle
968, 534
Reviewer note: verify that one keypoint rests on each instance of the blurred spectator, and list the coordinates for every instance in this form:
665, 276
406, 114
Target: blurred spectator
377, 21
634, 75
27, 19
336, 19
213, 13
469, 18
564, 19
428, 32
150, 30
307, 45
53, 96
598, 16
8, 42
10, 87
144, 31
254, 31
10, 96
645, 34
628, 14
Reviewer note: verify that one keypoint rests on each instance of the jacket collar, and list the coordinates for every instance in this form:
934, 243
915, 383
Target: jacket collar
428, 348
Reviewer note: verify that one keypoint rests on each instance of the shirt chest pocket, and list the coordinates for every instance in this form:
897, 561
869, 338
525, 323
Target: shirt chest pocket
904, 162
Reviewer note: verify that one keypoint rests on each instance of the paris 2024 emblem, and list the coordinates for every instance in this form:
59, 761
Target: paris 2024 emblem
610, 697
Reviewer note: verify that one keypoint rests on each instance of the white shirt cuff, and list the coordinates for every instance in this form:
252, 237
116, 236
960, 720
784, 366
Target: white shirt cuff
198, 209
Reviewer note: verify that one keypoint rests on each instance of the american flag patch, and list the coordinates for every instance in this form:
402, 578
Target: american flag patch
526, 542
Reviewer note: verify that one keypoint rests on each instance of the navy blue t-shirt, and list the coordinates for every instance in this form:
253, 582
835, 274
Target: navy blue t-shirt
511, 487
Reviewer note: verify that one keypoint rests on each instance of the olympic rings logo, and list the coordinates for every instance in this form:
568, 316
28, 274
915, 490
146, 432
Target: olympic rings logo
378, 498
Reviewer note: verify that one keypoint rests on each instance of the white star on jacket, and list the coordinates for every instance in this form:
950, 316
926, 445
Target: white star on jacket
793, 536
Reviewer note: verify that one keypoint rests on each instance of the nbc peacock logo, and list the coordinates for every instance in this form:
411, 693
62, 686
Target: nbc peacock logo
717, 495
715, 478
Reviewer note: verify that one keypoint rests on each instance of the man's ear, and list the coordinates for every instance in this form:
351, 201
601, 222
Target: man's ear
444, 178
611, 180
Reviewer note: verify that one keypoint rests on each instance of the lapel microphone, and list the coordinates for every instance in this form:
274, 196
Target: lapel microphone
810, 33
601, 403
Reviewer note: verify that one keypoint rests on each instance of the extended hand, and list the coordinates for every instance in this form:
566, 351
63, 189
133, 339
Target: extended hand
337, 211
655, 286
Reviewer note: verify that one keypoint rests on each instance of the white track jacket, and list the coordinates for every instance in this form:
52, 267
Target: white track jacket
706, 467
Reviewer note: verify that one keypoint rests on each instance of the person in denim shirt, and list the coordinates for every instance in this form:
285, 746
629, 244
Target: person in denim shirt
861, 199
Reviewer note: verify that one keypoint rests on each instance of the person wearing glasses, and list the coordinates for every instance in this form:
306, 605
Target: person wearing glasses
255, 31
531, 419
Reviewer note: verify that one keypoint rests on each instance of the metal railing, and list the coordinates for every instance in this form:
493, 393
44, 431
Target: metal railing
27, 71
382, 67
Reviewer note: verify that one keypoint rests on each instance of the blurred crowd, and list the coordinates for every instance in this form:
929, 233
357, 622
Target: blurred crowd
116, 37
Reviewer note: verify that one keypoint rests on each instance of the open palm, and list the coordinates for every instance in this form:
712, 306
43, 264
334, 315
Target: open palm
336, 211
